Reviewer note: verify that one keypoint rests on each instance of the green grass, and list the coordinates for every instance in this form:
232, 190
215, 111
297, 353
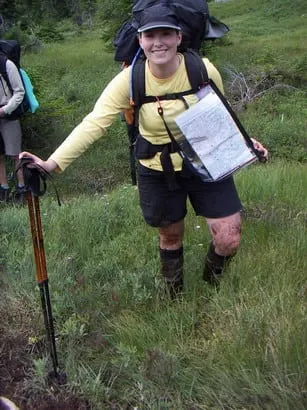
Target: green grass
121, 342
243, 347
264, 40
264, 36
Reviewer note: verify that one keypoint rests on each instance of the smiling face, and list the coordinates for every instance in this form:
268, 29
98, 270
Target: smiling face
160, 47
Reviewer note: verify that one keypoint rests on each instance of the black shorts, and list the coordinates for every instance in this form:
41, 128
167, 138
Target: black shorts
162, 207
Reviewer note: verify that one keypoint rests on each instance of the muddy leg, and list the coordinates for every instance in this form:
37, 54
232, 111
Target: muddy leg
226, 235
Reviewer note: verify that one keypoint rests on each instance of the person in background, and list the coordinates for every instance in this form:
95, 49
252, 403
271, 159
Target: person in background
10, 131
162, 207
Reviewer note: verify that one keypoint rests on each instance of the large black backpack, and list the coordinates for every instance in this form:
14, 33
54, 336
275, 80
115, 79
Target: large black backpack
193, 16
197, 25
198, 77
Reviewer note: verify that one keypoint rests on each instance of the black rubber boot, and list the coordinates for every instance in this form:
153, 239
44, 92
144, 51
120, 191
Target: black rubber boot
172, 270
214, 266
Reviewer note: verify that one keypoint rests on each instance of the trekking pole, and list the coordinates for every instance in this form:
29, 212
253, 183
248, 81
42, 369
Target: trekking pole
41, 274
33, 178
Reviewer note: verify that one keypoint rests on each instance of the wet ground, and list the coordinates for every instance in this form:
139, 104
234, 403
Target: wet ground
18, 381
27, 392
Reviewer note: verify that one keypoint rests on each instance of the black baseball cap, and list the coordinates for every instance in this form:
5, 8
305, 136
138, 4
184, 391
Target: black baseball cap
158, 16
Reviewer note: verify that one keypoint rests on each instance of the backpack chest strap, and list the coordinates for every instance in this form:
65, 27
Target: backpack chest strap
168, 97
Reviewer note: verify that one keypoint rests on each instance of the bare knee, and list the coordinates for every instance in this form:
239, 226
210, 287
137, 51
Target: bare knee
171, 237
226, 235
227, 241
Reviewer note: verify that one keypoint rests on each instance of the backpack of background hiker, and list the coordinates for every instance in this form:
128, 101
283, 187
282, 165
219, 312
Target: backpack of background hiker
193, 16
10, 50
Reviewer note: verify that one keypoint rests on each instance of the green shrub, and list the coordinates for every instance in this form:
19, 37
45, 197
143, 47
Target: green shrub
48, 32
16, 33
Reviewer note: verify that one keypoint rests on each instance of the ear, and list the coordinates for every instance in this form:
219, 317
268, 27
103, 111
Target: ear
179, 35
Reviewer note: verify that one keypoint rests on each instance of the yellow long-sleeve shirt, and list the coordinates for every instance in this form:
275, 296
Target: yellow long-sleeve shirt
115, 98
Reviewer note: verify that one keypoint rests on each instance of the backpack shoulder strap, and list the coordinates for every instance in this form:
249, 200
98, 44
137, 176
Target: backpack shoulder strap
138, 82
196, 69
137, 87
3, 72
3, 59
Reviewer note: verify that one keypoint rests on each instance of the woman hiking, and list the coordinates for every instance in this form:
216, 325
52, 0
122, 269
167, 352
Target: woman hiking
163, 207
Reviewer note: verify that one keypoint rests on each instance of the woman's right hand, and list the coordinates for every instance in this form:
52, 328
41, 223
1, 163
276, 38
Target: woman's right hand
48, 165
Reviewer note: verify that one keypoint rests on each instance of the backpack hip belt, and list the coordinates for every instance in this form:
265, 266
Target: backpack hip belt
146, 150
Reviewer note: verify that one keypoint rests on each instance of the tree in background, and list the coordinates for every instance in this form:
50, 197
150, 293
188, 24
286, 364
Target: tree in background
36, 11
